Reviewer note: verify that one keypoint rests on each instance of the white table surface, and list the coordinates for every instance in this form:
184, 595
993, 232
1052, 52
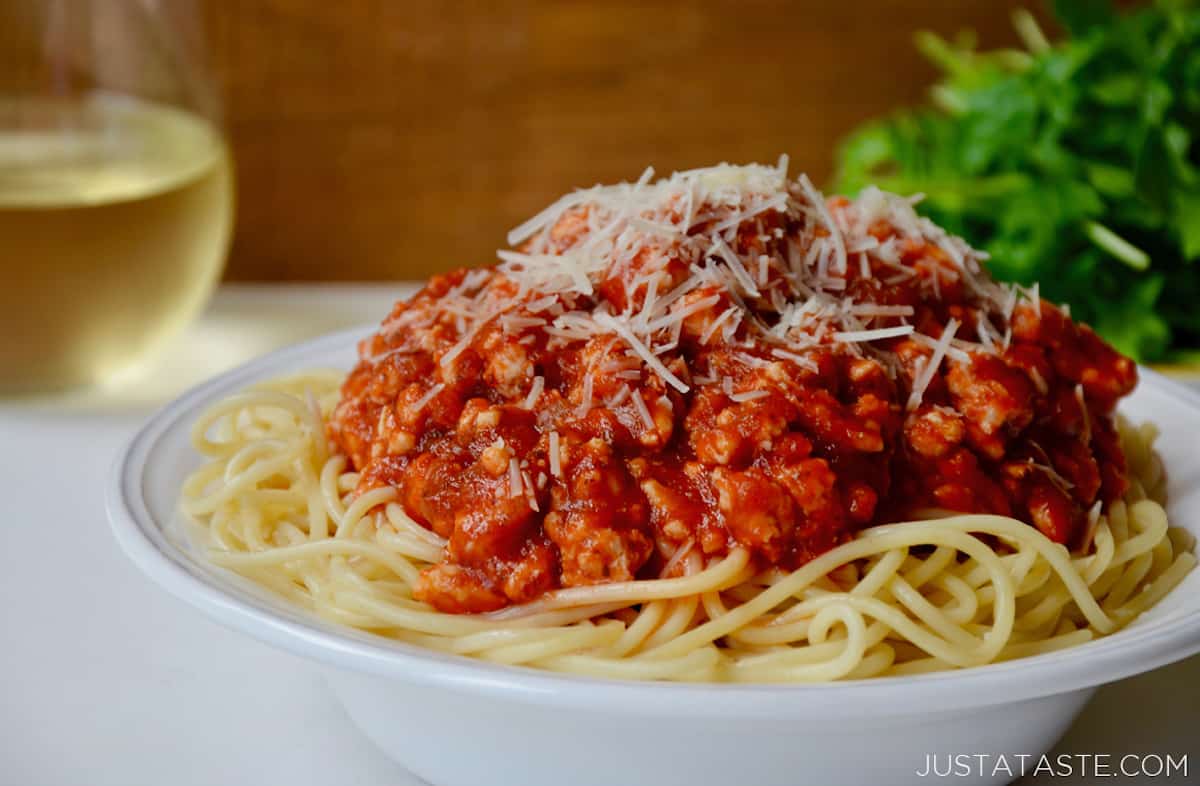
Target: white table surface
105, 679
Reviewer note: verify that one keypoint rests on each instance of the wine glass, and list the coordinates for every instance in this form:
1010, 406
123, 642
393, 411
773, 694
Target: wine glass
116, 186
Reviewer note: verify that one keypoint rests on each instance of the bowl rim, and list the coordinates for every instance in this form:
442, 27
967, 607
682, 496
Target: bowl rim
142, 538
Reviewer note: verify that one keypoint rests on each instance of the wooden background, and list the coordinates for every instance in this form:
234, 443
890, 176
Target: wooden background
379, 139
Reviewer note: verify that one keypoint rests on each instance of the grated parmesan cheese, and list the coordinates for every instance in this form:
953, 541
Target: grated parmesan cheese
535, 392
515, 485
955, 353
799, 360
930, 366
677, 316
643, 411
749, 395
858, 336
555, 459
428, 396
530, 491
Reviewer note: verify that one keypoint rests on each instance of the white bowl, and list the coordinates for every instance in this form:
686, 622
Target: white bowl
460, 722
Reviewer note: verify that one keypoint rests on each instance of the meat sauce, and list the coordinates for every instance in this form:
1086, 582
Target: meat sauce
550, 459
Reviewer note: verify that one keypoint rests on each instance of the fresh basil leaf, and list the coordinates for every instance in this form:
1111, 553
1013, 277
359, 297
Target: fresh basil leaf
1111, 181
1122, 89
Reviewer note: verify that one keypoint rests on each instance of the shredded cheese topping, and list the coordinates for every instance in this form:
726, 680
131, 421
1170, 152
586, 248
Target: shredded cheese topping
742, 254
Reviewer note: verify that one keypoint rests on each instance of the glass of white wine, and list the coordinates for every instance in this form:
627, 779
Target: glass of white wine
116, 187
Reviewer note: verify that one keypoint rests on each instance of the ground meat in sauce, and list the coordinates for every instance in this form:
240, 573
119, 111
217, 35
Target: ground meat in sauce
786, 454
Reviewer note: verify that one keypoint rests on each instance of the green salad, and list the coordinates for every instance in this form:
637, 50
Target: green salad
1072, 163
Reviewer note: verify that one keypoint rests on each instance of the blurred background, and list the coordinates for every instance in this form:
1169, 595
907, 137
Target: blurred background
390, 140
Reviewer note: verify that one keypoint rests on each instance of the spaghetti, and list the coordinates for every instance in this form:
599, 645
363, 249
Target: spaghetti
946, 591
664, 437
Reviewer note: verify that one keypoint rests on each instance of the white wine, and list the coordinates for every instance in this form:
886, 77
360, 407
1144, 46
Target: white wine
115, 216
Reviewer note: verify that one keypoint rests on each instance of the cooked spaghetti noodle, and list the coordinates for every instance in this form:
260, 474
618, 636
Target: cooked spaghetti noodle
278, 505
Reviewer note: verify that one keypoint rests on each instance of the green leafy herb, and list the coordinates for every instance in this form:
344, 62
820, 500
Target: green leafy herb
1074, 163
